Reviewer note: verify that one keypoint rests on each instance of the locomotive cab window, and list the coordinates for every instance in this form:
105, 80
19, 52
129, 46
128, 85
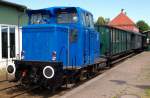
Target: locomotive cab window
91, 23
66, 15
88, 20
40, 18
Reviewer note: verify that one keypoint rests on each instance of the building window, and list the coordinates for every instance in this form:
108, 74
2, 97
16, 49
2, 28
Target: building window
8, 41
4, 42
12, 42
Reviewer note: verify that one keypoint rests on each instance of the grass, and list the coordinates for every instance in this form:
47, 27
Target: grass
147, 92
2, 72
114, 97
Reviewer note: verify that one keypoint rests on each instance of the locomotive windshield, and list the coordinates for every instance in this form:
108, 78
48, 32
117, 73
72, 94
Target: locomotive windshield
67, 15
40, 18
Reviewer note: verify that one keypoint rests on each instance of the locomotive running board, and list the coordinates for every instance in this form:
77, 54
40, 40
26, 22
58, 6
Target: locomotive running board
35, 63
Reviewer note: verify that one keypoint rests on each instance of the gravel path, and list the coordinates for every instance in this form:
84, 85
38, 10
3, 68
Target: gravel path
130, 77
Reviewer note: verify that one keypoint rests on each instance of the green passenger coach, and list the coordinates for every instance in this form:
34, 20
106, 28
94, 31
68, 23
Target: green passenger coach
116, 42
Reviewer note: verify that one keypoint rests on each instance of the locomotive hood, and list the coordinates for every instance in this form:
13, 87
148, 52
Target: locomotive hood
39, 26
42, 42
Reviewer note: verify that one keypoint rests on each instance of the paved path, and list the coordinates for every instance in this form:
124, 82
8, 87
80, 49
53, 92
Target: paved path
130, 77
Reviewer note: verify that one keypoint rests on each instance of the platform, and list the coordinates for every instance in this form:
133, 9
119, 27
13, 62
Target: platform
131, 76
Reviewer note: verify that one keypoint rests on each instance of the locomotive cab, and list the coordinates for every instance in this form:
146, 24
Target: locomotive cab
56, 39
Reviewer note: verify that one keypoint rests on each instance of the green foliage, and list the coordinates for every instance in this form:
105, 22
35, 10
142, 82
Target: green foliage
101, 21
142, 25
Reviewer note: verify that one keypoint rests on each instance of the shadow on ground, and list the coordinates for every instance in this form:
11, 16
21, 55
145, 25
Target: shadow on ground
119, 82
143, 86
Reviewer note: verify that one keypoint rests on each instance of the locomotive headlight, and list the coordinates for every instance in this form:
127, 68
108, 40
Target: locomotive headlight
48, 72
11, 69
54, 56
22, 55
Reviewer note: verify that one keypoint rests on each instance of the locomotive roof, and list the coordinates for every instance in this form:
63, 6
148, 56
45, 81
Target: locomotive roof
51, 9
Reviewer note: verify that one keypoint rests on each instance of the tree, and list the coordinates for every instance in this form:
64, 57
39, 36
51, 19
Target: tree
107, 20
101, 21
142, 25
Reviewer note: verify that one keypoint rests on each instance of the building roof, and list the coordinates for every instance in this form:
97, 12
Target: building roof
17, 6
122, 21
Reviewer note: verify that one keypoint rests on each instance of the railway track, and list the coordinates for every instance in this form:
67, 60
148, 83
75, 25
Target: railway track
10, 87
18, 91
24, 92
3, 81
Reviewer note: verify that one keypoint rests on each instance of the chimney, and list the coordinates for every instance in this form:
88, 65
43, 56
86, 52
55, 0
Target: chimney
122, 10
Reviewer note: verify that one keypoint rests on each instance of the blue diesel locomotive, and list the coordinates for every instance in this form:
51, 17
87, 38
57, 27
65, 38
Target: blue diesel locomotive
58, 43
61, 45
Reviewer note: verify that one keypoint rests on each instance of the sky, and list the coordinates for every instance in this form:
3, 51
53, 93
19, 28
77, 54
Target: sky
135, 9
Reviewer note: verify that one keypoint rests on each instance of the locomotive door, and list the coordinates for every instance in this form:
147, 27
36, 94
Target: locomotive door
87, 41
87, 47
